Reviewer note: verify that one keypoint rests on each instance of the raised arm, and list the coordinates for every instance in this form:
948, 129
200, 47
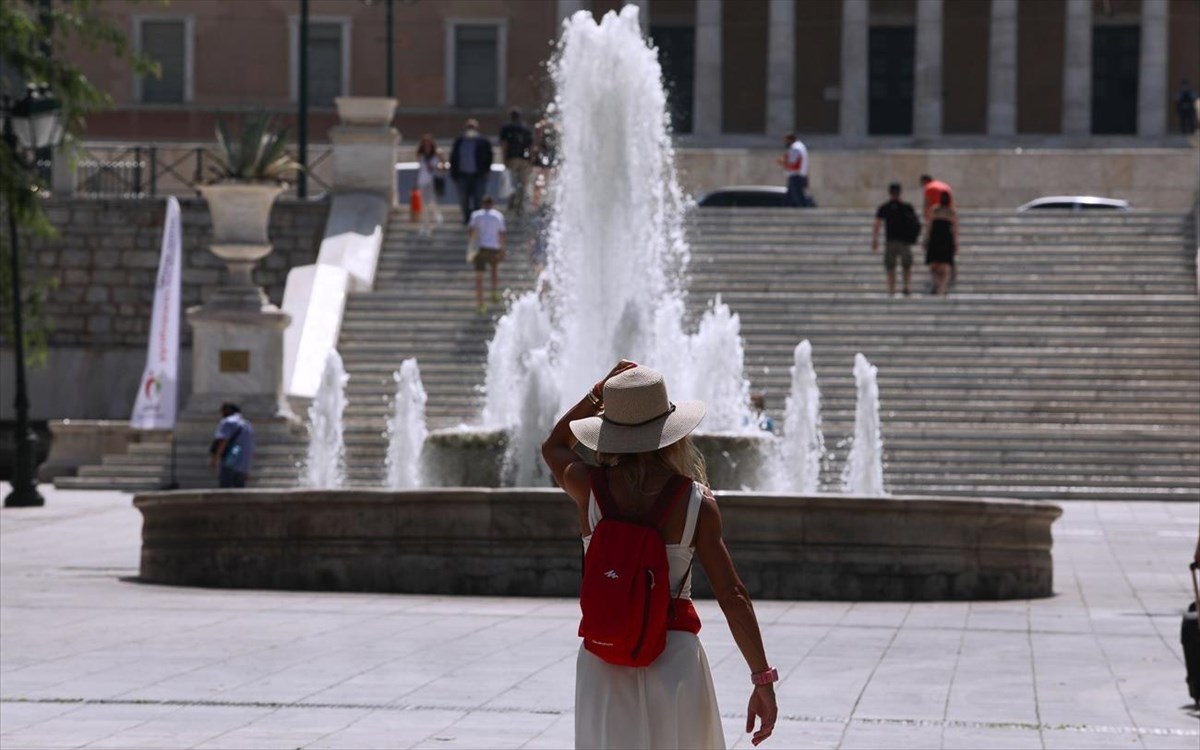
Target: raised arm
731, 594
558, 450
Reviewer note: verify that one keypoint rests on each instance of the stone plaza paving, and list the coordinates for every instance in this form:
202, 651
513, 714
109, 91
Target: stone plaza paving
90, 658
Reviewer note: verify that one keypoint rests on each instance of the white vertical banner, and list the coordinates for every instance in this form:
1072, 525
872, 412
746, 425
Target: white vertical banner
156, 396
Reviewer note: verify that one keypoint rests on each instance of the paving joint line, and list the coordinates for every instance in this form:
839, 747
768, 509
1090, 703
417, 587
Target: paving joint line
799, 718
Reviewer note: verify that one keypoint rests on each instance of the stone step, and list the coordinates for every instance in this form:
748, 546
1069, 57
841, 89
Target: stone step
1059, 354
1054, 492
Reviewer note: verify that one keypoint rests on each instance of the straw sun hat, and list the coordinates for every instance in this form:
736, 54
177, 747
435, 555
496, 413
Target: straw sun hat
638, 417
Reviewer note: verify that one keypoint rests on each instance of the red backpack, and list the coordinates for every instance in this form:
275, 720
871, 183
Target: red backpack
626, 591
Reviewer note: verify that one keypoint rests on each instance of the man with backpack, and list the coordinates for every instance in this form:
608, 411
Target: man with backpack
232, 448
517, 141
902, 229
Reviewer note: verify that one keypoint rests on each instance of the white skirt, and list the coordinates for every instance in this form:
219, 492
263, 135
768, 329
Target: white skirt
669, 704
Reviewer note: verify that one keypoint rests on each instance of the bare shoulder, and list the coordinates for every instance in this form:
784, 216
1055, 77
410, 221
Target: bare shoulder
710, 513
576, 481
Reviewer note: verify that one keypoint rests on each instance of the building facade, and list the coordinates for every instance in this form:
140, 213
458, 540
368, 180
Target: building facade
855, 71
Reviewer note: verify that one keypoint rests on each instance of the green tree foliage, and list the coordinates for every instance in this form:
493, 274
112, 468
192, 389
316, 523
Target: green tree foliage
31, 33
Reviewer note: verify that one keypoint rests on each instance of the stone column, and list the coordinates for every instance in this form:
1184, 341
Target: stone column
927, 72
709, 101
781, 67
566, 9
1002, 69
1152, 73
1077, 69
852, 112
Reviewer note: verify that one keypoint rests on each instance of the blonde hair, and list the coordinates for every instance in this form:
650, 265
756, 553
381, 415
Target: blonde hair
680, 457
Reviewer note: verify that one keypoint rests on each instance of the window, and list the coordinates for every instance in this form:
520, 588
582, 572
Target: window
1115, 63
328, 59
677, 56
167, 41
476, 64
890, 80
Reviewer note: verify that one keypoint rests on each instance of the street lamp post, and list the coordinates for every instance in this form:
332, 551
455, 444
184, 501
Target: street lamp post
302, 115
31, 124
391, 59
390, 42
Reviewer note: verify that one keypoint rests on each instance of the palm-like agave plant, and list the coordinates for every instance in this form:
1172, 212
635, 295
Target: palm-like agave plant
258, 153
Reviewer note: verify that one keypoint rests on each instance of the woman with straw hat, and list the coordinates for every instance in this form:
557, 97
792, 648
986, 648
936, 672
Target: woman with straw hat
642, 447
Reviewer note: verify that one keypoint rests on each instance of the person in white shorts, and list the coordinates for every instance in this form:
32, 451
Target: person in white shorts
486, 232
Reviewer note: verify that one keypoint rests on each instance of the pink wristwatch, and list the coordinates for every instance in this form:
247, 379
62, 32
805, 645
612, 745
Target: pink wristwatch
765, 677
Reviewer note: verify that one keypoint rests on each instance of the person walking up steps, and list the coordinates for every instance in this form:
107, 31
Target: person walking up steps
941, 243
486, 236
429, 171
933, 190
902, 229
470, 165
517, 141
642, 678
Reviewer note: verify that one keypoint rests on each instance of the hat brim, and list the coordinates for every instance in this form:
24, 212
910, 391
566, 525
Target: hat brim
606, 437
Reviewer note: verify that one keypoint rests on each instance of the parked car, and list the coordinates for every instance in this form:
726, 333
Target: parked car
745, 196
1075, 203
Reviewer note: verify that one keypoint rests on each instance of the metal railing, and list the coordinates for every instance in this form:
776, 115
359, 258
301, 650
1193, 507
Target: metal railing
146, 171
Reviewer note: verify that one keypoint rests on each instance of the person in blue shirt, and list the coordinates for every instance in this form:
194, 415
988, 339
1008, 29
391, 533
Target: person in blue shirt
232, 447
762, 420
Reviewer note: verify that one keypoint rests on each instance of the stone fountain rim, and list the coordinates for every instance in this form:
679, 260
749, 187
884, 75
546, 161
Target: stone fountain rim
375, 496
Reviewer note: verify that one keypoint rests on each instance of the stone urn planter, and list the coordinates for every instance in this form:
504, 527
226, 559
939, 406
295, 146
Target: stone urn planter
366, 111
241, 216
364, 146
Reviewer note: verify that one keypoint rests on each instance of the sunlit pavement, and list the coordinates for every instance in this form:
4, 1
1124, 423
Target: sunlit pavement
89, 658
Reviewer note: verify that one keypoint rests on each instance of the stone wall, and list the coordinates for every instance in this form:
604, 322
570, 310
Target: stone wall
102, 266
1159, 179
105, 257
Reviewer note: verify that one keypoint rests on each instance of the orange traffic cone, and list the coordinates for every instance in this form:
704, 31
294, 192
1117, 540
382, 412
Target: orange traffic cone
414, 205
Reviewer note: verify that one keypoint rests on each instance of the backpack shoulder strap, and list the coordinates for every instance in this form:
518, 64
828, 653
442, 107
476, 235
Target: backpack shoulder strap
599, 482
676, 488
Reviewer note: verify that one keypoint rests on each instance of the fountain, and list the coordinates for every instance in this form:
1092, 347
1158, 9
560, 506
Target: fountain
863, 473
613, 287
406, 429
802, 445
326, 462
617, 258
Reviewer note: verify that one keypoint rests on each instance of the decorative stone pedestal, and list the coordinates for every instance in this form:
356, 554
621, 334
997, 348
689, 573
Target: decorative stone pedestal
238, 356
364, 146
237, 334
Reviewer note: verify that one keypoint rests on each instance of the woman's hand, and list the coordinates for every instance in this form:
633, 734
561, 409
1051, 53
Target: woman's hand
762, 706
620, 367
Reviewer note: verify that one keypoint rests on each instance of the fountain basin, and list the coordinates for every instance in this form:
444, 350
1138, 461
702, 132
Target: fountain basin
524, 542
474, 457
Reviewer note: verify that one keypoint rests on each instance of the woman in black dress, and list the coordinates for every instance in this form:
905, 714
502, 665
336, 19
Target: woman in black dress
941, 243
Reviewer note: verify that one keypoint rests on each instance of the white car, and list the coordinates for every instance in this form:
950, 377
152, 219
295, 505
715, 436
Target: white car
1075, 203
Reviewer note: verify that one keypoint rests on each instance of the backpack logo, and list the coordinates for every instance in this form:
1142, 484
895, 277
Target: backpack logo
612, 574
